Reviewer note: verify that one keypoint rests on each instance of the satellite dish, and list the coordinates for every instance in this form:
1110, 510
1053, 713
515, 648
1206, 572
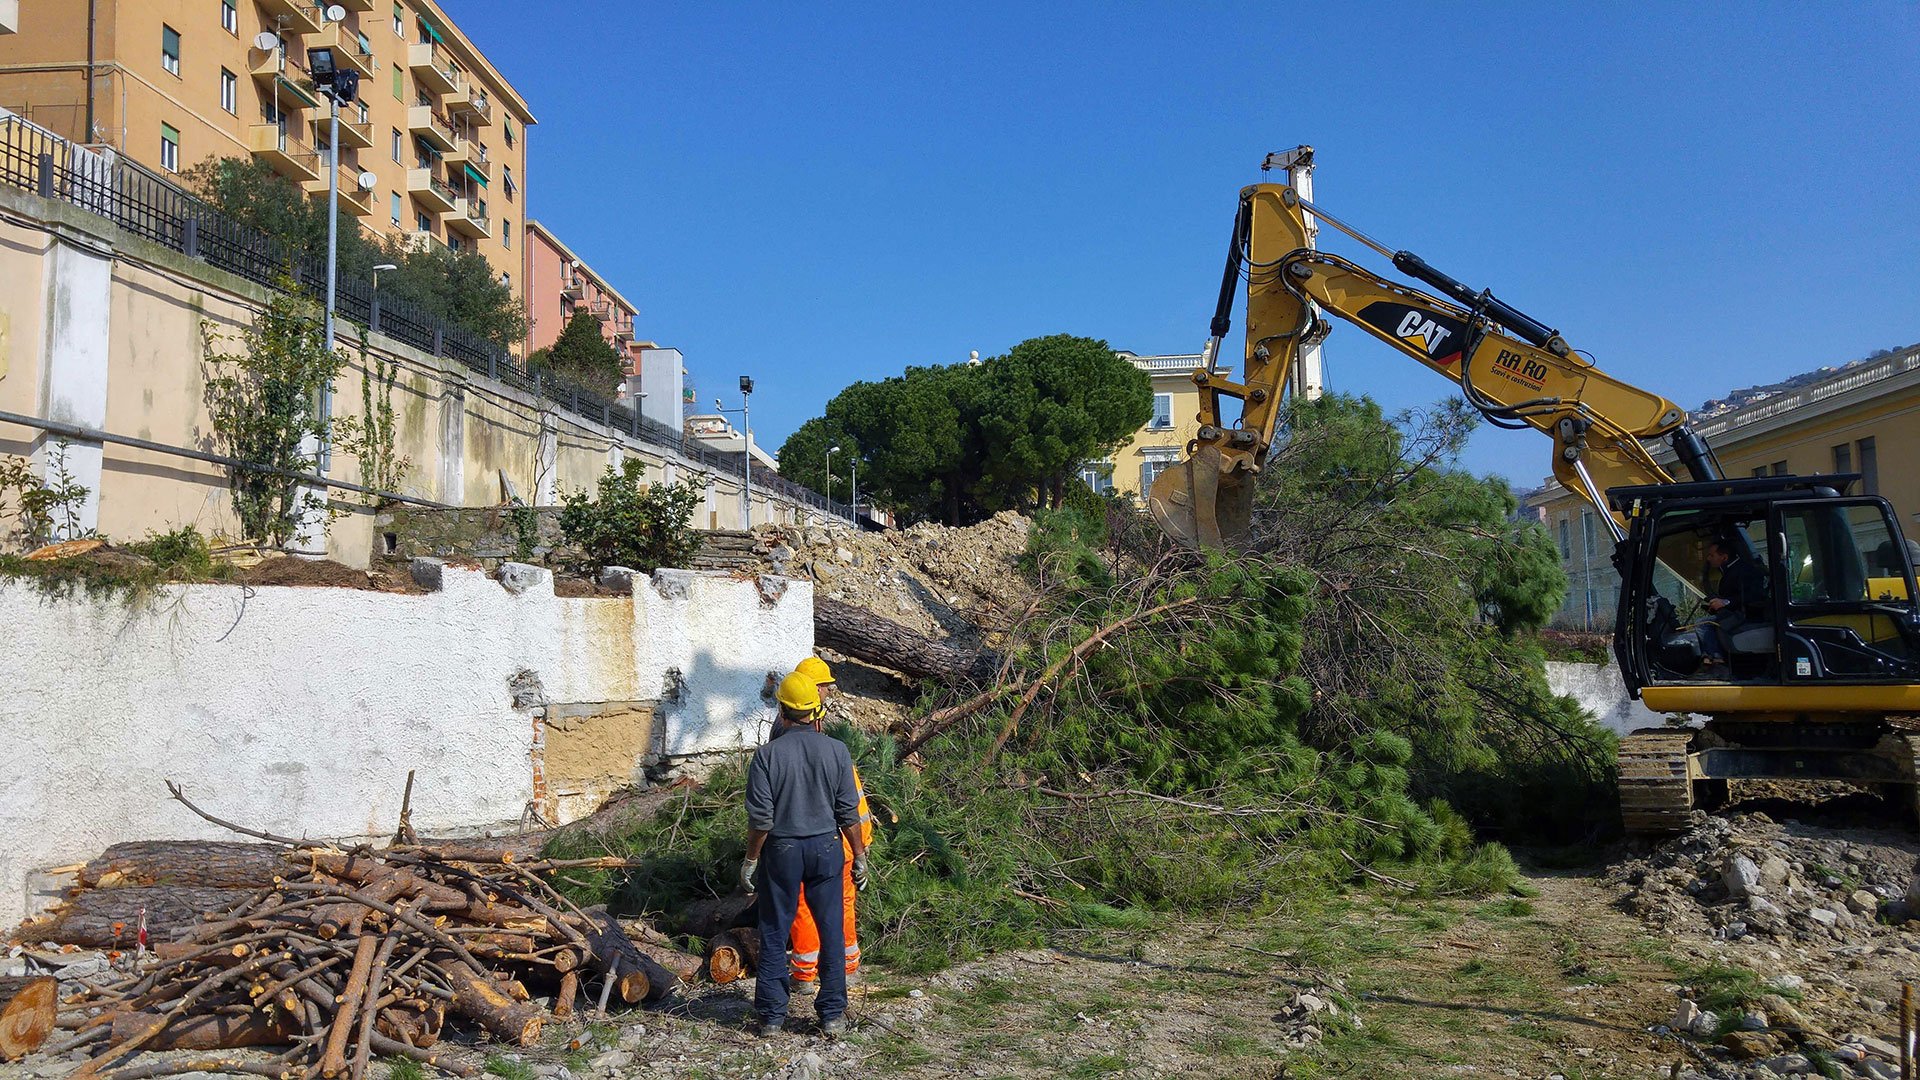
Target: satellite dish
367, 181
336, 13
266, 41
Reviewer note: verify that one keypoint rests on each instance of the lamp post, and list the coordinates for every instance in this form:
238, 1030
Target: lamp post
337, 85
746, 422
831, 450
376, 275
853, 499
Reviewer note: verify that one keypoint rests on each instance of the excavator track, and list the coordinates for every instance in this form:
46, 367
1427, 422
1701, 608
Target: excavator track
1655, 794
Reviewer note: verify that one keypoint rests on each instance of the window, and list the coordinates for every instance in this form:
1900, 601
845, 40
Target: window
396, 208
506, 234
506, 131
170, 49
1162, 412
1869, 468
399, 94
1760, 471
366, 47
423, 223
229, 91
506, 280
1843, 458
506, 177
396, 144
229, 18
1779, 468
455, 244
1151, 468
169, 148
399, 22
1566, 539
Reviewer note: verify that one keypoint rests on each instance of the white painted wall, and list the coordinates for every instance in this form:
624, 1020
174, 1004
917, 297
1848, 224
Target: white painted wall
1601, 691
300, 710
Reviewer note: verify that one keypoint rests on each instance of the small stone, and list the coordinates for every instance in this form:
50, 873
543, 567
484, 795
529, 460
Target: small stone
1312, 1003
1774, 871
617, 578
1707, 1025
611, 1061
1747, 1045
1879, 1070
1863, 902
1763, 906
1790, 1064
1823, 917
916, 994
1752, 1021
1785, 984
631, 1038
518, 577
1878, 1047
1685, 1015
1741, 877
427, 573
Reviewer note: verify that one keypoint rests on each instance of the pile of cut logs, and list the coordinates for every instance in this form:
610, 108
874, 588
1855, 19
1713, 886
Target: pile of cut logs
336, 955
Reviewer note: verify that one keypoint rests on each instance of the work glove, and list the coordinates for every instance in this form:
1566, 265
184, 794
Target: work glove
862, 874
748, 868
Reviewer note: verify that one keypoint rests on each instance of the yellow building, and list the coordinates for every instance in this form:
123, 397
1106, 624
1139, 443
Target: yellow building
439, 131
1130, 470
1861, 418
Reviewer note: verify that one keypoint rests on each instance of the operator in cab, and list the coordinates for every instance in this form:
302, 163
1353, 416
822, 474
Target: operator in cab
1742, 596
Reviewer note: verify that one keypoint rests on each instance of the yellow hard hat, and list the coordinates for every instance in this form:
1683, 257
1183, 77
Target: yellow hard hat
799, 693
816, 669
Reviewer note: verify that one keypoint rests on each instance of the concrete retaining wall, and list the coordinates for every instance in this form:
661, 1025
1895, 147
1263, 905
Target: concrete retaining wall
1602, 692
300, 710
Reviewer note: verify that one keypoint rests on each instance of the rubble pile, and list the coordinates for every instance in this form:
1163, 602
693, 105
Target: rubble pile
936, 580
1824, 917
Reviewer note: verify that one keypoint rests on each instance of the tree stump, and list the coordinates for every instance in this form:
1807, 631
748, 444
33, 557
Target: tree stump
733, 955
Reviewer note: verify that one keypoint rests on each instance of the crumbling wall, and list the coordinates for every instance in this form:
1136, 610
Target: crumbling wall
300, 710
1601, 691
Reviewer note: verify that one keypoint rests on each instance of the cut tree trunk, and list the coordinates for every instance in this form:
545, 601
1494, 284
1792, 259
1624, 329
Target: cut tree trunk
90, 919
634, 972
215, 1032
29, 1005
707, 918
685, 966
210, 863
861, 634
733, 954
484, 1001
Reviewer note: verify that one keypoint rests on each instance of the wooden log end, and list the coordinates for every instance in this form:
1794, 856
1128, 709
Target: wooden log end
29, 1005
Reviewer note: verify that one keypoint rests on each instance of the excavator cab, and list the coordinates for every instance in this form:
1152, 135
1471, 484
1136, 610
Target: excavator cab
1839, 597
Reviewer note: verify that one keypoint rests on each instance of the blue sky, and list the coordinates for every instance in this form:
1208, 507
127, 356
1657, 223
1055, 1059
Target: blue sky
1702, 196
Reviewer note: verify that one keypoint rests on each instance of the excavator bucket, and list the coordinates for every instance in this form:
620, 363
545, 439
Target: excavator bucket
1205, 501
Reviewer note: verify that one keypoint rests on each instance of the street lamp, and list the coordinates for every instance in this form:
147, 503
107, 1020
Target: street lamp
376, 275
746, 422
339, 85
831, 450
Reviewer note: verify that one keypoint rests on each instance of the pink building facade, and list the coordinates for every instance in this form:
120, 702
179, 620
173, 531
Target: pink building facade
557, 283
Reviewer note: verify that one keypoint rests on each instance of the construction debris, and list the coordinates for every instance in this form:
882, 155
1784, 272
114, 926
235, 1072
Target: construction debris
335, 954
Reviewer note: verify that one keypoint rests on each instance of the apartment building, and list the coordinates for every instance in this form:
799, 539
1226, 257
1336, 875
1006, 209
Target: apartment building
559, 284
438, 132
1863, 417
1131, 469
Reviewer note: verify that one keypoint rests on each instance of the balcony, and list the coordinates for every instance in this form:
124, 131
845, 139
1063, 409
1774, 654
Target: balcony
469, 218
356, 5
623, 331
573, 287
282, 75
353, 200
430, 191
347, 53
601, 309
429, 125
354, 134
294, 17
433, 69
422, 241
287, 155
471, 105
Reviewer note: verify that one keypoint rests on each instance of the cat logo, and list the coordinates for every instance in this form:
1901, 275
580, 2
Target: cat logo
1435, 336
1426, 333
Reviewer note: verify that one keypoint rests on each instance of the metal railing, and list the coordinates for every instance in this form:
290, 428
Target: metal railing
35, 160
1884, 368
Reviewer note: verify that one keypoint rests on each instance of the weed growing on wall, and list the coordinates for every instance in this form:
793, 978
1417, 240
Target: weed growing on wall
642, 527
44, 509
263, 404
369, 436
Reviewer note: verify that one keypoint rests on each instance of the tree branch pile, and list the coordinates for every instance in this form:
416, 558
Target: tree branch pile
333, 955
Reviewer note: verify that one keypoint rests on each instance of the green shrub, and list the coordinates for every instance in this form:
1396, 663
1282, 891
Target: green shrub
639, 527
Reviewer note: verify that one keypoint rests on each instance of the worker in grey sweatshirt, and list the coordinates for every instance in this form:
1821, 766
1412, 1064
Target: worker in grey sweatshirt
801, 792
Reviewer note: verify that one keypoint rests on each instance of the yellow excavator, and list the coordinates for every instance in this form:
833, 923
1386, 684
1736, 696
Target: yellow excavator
1820, 678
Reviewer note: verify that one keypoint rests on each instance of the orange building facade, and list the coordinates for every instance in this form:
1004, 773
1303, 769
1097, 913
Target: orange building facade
438, 132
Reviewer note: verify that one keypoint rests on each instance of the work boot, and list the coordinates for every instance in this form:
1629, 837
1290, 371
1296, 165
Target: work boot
834, 1028
767, 1029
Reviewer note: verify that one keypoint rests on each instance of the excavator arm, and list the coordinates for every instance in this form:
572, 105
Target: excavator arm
1514, 370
